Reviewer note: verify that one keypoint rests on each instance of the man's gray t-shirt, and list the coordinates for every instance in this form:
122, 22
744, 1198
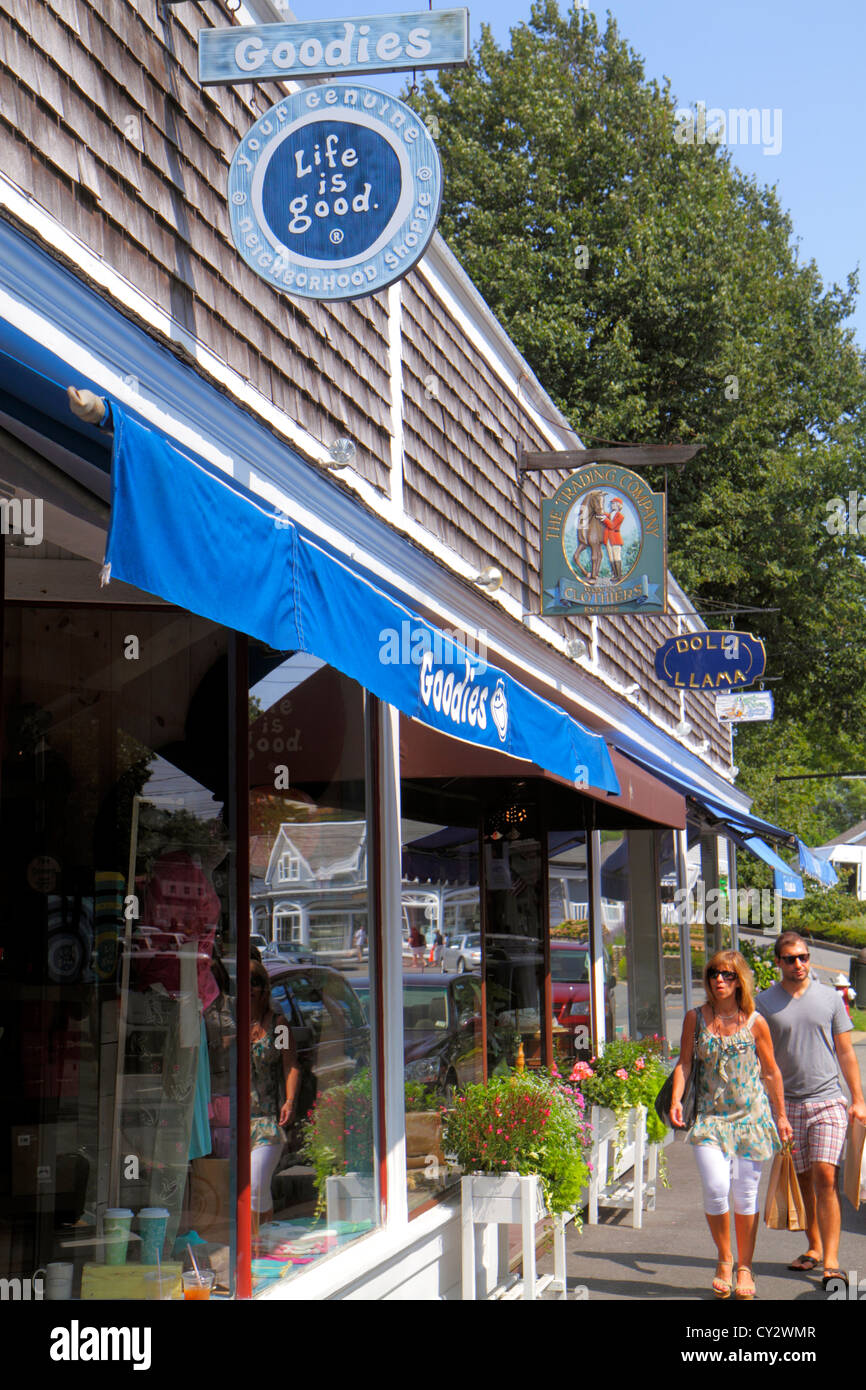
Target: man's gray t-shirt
802, 1032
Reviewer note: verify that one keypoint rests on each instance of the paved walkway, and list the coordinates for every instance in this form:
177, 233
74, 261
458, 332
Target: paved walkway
672, 1256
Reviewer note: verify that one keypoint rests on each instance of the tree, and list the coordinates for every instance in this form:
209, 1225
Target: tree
658, 294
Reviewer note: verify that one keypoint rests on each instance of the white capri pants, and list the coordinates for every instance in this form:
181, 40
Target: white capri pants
263, 1160
714, 1168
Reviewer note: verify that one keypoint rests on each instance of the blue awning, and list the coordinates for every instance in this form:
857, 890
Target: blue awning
713, 803
786, 882
191, 535
816, 867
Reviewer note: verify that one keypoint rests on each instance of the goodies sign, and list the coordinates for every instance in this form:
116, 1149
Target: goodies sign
335, 192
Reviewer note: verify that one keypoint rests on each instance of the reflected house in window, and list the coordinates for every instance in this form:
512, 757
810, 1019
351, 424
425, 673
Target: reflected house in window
311, 889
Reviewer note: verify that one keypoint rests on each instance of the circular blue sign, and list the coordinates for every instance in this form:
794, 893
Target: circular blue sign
335, 192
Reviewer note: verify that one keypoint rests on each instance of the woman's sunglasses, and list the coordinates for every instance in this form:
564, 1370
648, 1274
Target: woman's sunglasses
729, 975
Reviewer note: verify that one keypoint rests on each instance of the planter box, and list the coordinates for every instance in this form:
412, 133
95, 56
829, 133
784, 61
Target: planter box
615, 1156
502, 1199
424, 1139
350, 1198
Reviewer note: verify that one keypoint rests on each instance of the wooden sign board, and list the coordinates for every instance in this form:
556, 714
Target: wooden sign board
335, 192
334, 47
604, 546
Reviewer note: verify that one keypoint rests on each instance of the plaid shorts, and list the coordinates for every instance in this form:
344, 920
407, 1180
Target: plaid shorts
820, 1127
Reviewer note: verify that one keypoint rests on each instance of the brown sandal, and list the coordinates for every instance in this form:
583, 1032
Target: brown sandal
748, 1290
722, 1287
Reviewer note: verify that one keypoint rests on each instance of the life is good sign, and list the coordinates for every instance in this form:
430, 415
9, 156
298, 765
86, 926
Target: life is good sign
334, 47
335, 192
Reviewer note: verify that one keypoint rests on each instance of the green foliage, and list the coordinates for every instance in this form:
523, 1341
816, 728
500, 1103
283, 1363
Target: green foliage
694, 279
420, 1096
761, 962
630, 1072
570, 930
842, 933
824, 907
338, 1132
526, 1124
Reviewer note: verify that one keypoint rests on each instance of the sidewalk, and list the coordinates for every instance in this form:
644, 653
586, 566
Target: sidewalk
672, 1256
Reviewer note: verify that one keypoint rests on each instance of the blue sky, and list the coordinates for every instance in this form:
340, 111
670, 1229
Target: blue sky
801, 57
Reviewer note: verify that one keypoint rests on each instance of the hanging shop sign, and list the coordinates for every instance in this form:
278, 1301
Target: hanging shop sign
335, 192
604, 546
710, 660
744, 707
334, 47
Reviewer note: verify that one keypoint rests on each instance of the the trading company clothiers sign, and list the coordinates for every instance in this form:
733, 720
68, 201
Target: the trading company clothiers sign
604, 544
335, 192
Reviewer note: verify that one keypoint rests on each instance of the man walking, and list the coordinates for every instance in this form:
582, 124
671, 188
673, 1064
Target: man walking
809, 1028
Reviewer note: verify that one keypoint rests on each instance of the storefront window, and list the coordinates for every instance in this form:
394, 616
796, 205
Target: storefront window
574, 1025
442, 998
615, 927
313, 1097
118, 1043
515, 927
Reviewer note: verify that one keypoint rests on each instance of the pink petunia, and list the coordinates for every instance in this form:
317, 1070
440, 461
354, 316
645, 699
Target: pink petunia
621, 1073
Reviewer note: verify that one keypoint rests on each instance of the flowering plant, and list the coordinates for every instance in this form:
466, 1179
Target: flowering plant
338, 1132
527, 1123
628, 1073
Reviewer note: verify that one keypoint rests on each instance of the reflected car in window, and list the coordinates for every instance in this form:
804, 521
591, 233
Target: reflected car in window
441, 1028
569, 982
462, 953
328, 1025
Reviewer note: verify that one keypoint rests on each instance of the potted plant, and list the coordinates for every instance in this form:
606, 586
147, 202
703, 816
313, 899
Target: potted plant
525, 1125
424, 1119
338, 1134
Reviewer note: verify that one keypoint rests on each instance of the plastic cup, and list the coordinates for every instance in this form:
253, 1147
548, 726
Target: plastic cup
197, 1286
116, 1227
152, 1226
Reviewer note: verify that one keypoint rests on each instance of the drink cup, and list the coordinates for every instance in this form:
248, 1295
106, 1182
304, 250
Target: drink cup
198, 1286
152, 1226
58, 1282
116, 1226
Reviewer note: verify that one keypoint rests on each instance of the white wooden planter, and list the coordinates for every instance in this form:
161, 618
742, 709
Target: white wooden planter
350, 1198
624, 1167
506, 1199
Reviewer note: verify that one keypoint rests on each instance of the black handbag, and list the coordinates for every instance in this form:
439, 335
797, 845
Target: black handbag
664, 1098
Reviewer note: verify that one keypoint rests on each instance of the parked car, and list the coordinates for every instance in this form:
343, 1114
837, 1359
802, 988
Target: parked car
289, 952
328, 1025
462, 953
441, 1028
260, 942
569, 981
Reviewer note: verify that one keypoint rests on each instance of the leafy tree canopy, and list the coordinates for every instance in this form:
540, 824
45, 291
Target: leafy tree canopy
689, 316
694, 319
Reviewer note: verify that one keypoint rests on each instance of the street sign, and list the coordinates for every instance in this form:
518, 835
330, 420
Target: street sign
334, 47
745, 707
603, 544
335, 192
710, 660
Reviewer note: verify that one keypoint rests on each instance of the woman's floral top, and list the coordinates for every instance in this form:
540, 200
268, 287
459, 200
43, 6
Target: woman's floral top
267, 1089
733, 1109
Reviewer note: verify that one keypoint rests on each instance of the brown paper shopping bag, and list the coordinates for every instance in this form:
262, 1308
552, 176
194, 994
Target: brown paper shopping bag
854, 1181
784, 1210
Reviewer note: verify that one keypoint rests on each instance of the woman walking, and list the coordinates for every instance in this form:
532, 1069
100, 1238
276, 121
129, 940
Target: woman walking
734, 1132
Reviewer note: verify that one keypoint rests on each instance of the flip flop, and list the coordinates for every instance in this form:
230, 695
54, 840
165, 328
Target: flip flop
805, 1262
831, 1274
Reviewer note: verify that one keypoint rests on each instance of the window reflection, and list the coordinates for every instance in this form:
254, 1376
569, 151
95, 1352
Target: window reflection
442, 1001
309, 911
